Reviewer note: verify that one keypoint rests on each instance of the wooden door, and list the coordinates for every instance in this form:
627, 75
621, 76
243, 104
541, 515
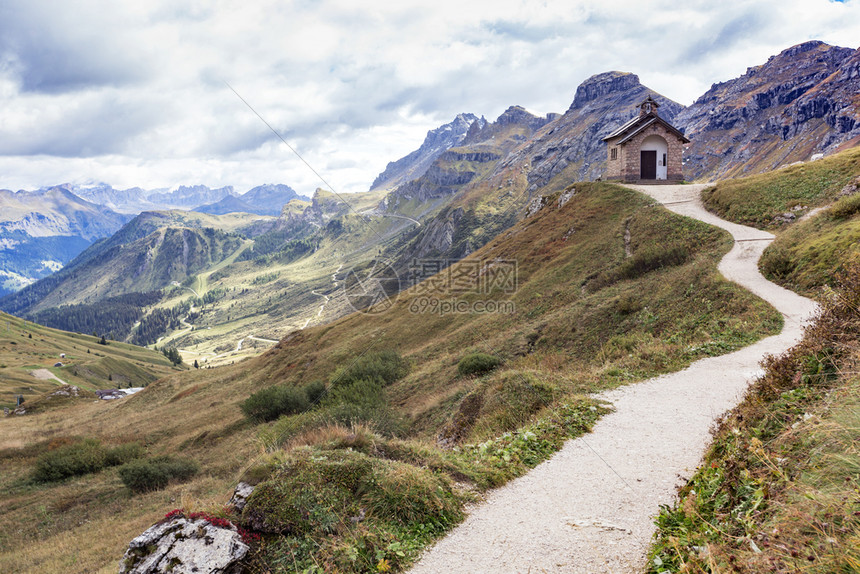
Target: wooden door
648, 164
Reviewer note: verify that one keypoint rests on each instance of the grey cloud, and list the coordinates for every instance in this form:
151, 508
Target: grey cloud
101, 125
741, 28
57, 49
525, 33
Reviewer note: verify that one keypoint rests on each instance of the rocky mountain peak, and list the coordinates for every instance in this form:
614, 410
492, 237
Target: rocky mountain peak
435, 143
801, 48
515, 115
602, 85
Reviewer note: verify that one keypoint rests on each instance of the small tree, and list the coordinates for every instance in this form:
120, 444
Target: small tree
103, 341
196, 364
172, 354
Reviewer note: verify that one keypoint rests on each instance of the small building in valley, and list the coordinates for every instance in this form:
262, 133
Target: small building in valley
647, 149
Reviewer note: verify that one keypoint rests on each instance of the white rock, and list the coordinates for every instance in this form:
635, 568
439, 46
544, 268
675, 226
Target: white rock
183, 546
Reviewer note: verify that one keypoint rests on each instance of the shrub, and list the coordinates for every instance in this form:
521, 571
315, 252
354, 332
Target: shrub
362, 402
124, 453
75, 459
271, 403
383, 366
366, 392
82, 457
155, 473
845, 207
477, 364
315, 391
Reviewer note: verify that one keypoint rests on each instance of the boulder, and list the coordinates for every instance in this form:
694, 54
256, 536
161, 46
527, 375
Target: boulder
535, 206
240, 496
783, 218
181, 545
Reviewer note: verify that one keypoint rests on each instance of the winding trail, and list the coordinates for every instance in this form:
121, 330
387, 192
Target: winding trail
326, 297
590, 508
412, 219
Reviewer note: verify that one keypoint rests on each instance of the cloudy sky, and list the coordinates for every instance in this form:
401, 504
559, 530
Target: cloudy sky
136, 94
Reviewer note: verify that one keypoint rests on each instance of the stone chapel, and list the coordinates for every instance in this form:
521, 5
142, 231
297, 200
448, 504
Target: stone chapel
647, 149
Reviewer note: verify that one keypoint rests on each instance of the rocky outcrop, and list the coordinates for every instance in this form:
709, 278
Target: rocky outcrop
451, 170
182, 545
439, 235
799, 103
240, 496
602, 86
513, 116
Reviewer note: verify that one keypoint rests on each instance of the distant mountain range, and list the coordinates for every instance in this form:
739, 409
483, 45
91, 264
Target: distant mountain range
42, 230
470, 180
265, 199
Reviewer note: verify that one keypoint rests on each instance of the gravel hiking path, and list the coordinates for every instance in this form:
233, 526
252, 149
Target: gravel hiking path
590, 508
46, 375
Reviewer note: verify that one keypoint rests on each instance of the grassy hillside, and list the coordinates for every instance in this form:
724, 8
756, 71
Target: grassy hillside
810, 251
582, 315
757, 200
811, 254
26, 347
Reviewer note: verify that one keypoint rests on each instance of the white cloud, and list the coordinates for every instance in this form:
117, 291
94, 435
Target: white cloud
134, 93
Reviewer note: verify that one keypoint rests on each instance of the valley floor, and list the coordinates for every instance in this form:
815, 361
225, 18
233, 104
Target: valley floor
591, 507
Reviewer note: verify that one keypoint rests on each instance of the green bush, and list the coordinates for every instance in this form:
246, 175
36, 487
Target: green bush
124, 453
845, 207
364, 402
315, 392
477, 364
75, 459
155, 473
383, 366
271, 403
80, 458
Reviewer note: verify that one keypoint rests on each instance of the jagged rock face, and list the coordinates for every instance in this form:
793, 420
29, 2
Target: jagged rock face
600, 86
800, 102
520, 116
442, 178
439, 236
437, 142
513, 116
183, 546
455, 168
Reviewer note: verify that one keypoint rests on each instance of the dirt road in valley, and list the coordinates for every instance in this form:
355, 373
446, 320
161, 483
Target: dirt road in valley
590, 508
